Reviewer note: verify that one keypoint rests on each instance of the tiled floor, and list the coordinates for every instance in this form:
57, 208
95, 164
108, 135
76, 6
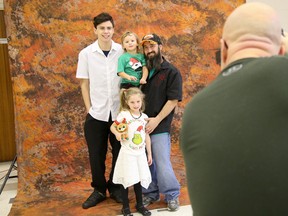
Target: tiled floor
10, 190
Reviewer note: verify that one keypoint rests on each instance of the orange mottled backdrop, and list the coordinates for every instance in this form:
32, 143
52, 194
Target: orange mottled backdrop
44, 38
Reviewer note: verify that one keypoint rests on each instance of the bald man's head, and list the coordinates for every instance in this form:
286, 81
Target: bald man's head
253, 18
251, 30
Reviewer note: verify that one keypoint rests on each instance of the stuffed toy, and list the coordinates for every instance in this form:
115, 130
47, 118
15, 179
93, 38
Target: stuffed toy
122, 127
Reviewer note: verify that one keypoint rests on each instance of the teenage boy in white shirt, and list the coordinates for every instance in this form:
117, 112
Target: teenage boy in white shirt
97, 71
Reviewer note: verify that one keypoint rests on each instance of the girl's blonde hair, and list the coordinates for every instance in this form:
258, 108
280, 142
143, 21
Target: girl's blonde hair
125, 94
137, 39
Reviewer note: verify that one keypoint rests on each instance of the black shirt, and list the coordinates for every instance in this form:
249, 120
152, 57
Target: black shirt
165, 84
234, 140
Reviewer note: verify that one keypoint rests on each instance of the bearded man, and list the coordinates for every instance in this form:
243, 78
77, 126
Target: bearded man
162, 92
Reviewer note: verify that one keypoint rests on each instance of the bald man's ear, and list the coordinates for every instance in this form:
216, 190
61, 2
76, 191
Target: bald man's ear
282, 50
224, 52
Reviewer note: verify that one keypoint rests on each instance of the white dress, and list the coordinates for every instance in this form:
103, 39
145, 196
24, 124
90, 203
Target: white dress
131, 165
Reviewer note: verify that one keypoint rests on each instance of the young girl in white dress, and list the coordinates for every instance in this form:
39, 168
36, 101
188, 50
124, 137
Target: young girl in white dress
132, 166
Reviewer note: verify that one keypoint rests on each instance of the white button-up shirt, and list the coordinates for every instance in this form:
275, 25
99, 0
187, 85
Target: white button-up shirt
103, 79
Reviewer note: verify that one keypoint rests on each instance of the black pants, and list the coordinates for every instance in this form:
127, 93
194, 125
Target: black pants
97, 134
138, 195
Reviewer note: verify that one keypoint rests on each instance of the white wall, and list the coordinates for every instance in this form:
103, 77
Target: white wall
281, 6
1, 5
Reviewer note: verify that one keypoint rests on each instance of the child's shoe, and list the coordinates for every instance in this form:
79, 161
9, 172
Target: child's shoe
142, 210
126, 212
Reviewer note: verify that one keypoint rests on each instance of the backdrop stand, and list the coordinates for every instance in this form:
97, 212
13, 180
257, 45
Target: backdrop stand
8, 173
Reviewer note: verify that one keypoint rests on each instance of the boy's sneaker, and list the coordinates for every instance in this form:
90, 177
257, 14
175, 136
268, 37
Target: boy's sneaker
173, 205
148, 200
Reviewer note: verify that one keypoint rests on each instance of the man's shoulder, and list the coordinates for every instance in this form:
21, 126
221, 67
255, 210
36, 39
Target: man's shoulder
89, 47
244, 70
169, 66
263, 65
116, 46
279, 59
270, 60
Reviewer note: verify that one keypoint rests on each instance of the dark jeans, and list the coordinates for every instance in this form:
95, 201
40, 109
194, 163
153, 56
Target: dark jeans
97, 134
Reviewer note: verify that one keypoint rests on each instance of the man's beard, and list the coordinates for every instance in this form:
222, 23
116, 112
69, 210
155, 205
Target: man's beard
154, 61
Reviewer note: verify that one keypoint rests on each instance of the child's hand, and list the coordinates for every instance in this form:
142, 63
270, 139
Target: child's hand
143, 81
118, 136
133, 78
121, 136
149, 159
